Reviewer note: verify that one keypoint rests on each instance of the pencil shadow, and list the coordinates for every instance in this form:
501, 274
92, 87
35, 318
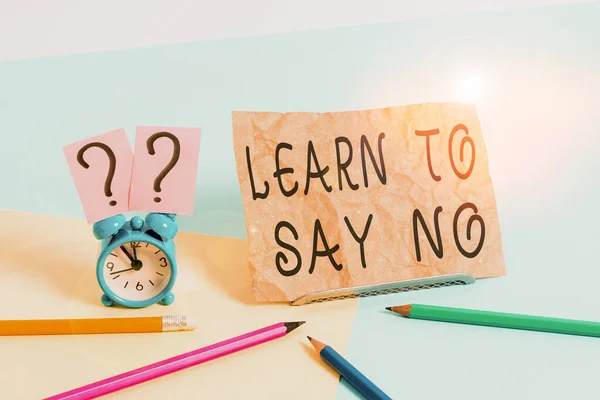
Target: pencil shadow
313, 354
351, 389
50, 251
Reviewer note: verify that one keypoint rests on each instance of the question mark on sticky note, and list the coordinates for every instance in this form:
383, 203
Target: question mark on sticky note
111, 166
174, 157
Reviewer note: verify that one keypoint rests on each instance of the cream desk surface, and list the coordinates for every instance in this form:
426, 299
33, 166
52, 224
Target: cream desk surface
47, 271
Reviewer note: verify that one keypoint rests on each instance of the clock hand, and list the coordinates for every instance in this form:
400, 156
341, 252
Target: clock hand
127, 254
134, 253
123, 270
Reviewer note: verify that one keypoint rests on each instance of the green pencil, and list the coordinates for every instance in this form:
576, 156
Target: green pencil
498, 319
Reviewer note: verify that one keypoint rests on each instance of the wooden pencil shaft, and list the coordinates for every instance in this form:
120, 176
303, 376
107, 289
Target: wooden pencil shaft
80, 326
505, 320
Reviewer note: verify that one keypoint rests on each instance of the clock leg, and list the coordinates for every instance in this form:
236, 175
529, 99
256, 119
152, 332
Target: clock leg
168, 299
107, 301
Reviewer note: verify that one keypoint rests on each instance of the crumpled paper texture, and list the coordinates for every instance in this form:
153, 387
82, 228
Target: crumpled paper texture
390, 252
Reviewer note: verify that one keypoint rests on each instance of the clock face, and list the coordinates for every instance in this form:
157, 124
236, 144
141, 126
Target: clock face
137, 271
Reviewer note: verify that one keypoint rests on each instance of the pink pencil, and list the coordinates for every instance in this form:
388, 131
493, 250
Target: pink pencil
179, 362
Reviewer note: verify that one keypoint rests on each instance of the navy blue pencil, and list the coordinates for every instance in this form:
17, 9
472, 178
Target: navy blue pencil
348, 372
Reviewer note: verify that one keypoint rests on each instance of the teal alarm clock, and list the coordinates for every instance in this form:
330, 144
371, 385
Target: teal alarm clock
136, 265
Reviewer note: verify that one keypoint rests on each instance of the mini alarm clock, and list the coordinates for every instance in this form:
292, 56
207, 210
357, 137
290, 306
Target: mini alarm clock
136, 265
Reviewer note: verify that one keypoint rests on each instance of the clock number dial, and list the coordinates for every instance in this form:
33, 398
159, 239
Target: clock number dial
141, 263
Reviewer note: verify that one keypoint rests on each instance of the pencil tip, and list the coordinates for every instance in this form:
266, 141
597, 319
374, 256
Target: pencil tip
293, 325
316, 344
403, 310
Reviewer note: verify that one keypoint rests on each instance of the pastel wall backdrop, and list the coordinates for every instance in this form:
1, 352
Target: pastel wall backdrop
533, 76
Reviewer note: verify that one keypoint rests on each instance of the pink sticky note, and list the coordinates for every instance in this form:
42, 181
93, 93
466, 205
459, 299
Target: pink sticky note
165, 166
101, 168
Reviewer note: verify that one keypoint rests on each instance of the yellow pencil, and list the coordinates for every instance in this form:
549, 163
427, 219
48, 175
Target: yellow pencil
168, 323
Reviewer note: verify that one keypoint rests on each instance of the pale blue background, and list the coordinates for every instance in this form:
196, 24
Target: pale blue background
539, 111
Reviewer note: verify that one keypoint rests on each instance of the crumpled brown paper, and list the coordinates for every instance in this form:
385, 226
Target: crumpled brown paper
393, 184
